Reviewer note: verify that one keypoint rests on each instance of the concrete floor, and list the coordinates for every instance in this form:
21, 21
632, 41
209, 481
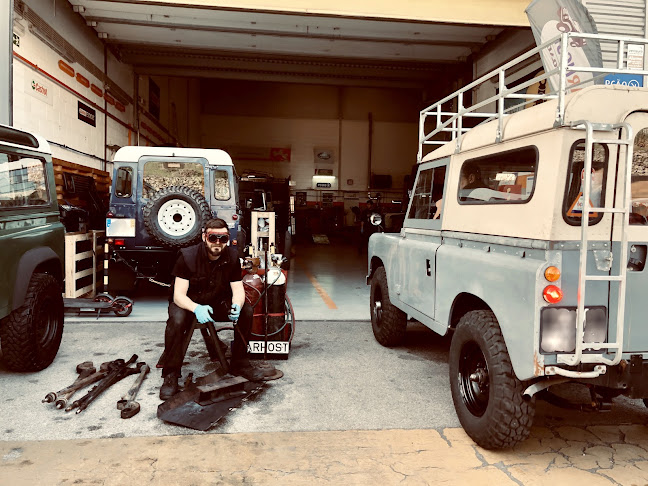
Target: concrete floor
325, 283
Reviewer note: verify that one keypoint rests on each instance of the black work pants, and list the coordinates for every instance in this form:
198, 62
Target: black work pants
179, 324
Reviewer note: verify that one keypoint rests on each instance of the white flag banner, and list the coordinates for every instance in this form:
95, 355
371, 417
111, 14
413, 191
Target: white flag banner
549, 18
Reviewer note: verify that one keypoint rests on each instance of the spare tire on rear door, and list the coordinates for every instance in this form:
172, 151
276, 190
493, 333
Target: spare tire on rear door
175, 215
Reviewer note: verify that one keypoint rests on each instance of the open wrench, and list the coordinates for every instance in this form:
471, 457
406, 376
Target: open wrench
84, 369
128, 406
119, 370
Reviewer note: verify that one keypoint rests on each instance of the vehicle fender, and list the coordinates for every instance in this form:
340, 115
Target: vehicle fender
383, 249
25, 269
506, 282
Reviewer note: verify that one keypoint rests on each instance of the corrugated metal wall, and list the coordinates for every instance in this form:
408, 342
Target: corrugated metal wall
618, 17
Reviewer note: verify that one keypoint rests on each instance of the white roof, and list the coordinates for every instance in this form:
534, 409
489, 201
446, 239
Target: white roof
43, 145
133, 154
598, 104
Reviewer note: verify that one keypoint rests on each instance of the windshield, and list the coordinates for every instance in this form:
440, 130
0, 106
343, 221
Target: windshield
22, 181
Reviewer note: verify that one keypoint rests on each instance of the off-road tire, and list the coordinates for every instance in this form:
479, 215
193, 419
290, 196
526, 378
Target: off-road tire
388, 322
31, 335
198, 214
504, 417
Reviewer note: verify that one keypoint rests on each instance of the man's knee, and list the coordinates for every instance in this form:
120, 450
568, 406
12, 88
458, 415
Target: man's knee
178, 317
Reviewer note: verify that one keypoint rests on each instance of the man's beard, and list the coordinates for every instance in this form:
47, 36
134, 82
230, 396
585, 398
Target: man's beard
213, 250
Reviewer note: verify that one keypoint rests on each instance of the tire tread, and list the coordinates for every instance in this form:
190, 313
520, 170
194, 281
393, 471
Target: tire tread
508, 418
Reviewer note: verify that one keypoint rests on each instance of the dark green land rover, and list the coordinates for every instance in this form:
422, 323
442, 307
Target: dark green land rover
31, 253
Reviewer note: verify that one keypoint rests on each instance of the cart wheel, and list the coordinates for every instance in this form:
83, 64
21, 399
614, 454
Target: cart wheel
122, 306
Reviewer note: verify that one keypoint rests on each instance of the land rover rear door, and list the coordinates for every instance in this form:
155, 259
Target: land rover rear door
636, 309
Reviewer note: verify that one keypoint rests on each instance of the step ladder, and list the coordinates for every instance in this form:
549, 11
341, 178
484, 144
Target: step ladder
583, 278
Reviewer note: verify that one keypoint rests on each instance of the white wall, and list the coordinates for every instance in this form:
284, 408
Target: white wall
53, 112
305, 117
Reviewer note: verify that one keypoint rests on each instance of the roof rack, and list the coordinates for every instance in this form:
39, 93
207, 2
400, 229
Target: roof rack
453, 119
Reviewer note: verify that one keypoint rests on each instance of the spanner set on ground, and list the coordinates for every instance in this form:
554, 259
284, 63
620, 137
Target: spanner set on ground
109, 373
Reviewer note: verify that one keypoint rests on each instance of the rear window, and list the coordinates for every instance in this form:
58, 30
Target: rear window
503, 178
640, 179
22, 181
221, 185
158, 175
573, 201
124, 182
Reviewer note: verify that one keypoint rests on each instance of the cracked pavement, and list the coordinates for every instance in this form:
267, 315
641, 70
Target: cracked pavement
596, 455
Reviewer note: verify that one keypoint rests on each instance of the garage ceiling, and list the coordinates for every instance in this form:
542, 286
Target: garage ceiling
206, 41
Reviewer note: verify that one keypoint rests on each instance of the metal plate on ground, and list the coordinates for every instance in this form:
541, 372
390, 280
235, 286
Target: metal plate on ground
183, 409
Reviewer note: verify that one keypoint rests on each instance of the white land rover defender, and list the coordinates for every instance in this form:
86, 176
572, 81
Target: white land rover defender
494, 249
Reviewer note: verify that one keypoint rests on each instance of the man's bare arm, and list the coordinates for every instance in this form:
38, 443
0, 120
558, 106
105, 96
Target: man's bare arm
238, 294
180, 298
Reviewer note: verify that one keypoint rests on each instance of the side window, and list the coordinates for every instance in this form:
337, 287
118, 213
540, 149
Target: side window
504, 178
164, 174
221, 185
428, 194
124, 183
22, 181
639, 183
573, 201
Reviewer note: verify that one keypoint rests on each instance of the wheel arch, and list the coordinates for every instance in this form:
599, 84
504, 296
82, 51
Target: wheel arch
464, 303
36, 260
374, 264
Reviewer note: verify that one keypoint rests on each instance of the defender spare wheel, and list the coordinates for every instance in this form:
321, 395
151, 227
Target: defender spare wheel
175, 215
387, 321
486, 393
31, 335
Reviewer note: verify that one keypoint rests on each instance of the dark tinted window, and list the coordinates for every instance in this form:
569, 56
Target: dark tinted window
124, 183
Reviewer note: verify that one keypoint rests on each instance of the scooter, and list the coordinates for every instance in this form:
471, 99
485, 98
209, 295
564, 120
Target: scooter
121, 306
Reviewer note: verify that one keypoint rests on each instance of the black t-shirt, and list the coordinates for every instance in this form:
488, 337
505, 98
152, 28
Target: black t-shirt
209, 281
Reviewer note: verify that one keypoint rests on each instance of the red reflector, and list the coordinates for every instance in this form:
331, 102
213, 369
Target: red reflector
119, 242
552, 294
109, 214
234, 242
234, 217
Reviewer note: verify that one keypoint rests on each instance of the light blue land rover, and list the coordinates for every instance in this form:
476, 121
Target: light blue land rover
493, 248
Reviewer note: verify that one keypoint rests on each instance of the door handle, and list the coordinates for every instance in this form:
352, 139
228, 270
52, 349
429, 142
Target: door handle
428, 270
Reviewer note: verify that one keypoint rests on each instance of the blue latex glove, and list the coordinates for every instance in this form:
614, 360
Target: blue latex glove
234, 313
203, 313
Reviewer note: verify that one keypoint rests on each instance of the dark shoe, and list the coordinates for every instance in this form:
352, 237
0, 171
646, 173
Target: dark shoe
245, 369
170, 386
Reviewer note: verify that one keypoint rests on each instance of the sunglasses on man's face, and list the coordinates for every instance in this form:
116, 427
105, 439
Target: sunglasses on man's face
213, 238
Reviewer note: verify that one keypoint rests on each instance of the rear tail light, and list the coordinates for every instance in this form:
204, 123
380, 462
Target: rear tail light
119, 242
552, 294
234, 217
552, 274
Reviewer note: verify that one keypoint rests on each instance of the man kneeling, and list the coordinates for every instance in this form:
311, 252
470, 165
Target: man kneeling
207, 286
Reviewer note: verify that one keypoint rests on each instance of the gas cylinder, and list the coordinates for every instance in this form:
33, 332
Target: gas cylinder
276, 294
253, 286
